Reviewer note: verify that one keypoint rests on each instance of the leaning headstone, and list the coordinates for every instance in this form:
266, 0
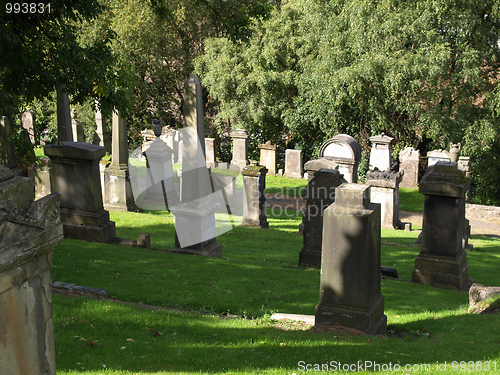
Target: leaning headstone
319, 194
75, 174
240, 149
345, 152
385, 190
210, 151
118, 193
409, 160
7, 150
28, 123
293, 163
380, 154
442, 259
102, 136
254, 201
268, 157
77, 127
350, 293
30, 231
64, 128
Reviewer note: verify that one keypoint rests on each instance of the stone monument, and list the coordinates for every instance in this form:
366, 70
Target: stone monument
381, 152
385, 190
30, 231
64, 128
77, 127
319, 194
268, 157
442, 258
240, 149
210, 152
345, 152
350, 293
437, 155
75, 174
409, 160
7, 150
254, 202
28, 123
102, 136
293, 163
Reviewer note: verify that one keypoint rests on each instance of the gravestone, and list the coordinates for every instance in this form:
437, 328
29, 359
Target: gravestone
409, 160
28, 123
7, 150
64, 128
437, 155
40, 176
268, 157
30, 231
350, 293
254, 192
102, 136
118, 193
77, 127
385, 190
380, 154
195, 231
319, 194
293, 163
240, 149
345, 152
210, 152
442, 258
226, 184
75, 174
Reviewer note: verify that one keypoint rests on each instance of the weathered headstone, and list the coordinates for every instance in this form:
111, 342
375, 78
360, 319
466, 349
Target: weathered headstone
442, 259
268, 157
385, 190
40, 176
102, 136
7, 150
77, 127
293, 163
28, 123
240, 148
64, 128
75, 174
437, 155
345, 152
319, 194
409, 160
350, 293
254, 201
210, 151
30, 230
381, 152
118, 193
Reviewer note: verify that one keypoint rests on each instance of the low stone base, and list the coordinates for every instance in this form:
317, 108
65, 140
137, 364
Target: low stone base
88, 226
263, 223
439, 270
372, 321
207, 249
309, 259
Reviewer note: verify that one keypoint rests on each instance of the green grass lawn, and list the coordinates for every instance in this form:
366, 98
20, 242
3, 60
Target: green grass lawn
258, 276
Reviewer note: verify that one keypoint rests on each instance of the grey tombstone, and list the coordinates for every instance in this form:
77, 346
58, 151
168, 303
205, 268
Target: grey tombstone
64, 128
195, 216
77, 127
345, 152
254, 193
293, 163
30, 231
227, 184
240, 149
409, 160
40, 176
118, 193
350, 293
268, 157
385, 190
28, 123
442, 259
102, 136
380, 154
75, 174
437, 155
7, 150
319, 194
210, 152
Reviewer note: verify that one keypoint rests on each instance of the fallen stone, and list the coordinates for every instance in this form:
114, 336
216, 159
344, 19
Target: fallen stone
484, 299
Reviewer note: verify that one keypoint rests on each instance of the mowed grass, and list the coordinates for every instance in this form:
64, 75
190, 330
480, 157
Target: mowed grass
258, 276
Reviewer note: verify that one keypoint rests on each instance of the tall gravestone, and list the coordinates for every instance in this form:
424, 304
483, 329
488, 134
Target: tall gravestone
75, 174
118, 193
254, 191
210, 151
30, 230
319, 194
345, 152
380, 154
293, 163
240, 148
7, 150
442, 258
268, 157
195, 216
102, 136
77, 127
350, 293
28, 123
64, 128
385, 190
409, 160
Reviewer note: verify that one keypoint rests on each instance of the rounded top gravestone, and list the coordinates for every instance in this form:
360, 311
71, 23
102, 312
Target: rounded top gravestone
341, 146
